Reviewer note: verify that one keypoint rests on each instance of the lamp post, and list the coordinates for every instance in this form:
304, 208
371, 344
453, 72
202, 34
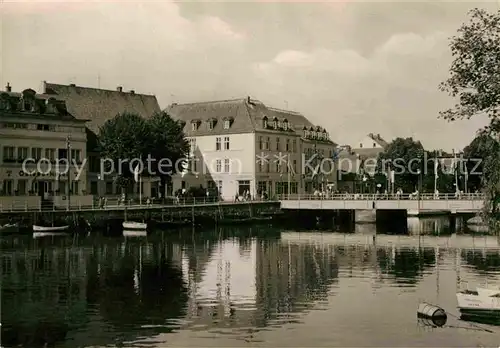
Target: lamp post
68, 149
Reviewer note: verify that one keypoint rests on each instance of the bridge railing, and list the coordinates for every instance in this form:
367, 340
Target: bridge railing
117, 203
381, 196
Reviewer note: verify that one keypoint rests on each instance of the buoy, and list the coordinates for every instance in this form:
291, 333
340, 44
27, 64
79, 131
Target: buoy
431, 315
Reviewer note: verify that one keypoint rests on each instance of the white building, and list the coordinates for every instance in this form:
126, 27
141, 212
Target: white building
242, 145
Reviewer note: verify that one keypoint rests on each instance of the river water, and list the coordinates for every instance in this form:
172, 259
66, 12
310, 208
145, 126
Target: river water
243, 287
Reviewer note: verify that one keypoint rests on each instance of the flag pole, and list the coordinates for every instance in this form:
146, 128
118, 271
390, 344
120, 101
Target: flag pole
435, 173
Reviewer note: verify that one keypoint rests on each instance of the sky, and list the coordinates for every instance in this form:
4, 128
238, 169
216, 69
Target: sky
352, 67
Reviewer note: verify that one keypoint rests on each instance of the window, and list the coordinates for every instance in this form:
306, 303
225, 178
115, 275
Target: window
211, 124
22, 153
21, 187
218, 166
7, 187
109, 188
226, 143
8, 153
267, 143
275, 123
261, 143
278, 167
74, 188
192, 146
194, 126
278, 144
374, 145
285, 125
226, 165
36, 153
261, 187
288, 145
295, 166
243, 186
360, 145
217, 144
219, 186
268, 166
265, 122
294, 145
75, 155
227, 123
50, 154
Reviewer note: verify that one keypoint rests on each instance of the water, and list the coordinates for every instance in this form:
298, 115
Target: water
242, 287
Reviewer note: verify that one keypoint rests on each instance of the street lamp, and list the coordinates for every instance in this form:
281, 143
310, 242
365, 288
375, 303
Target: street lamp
68, 149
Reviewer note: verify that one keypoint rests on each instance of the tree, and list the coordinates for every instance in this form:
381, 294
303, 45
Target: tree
476, 154
475, 80
405, 157
168, 145
474, 73
122, 139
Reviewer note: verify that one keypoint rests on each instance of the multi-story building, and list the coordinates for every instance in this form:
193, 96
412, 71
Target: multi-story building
242, 145
360, 159
35, 127
98, 106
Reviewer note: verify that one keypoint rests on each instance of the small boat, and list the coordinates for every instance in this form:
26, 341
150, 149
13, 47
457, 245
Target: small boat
481, 303
131, 225
9, 228
477, 221
135, 233
50, 228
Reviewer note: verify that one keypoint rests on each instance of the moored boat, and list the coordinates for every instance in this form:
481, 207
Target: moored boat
132, 225
481, 303
37, 228
9, 228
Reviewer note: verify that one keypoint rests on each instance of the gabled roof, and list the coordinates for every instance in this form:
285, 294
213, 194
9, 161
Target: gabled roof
378, 139
99, 105
247, 116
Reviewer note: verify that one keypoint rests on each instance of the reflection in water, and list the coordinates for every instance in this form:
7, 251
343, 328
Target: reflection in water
114, 291
436, 225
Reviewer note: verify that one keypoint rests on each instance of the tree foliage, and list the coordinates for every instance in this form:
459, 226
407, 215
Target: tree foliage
159, 140
404, 156
167, 141
475, 81
475, 71
476, 154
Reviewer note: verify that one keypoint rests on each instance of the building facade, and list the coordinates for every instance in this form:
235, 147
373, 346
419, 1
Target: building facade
37, 133
98, 106
243, 146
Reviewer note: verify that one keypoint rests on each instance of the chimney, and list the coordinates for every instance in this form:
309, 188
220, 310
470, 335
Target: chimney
72, 85
132, 92
378, 135
8, 88
248, 100
119, 88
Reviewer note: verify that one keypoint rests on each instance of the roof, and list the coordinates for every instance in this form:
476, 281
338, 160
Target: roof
246, 115
378, 139
100, 105
29, 104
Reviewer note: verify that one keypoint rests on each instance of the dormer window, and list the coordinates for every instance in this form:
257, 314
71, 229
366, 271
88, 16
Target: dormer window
285, 124
374, 144
195, 125
227, 124
264, 122
275, 123
325, 135
211, 123
360, 145
306, 133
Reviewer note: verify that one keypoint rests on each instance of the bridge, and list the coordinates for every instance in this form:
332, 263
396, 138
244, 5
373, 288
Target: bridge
464, 203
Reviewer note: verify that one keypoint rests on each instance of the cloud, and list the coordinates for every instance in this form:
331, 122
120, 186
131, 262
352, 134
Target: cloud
391, 91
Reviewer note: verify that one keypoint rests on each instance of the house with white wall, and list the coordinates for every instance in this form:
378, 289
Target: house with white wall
243, 145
